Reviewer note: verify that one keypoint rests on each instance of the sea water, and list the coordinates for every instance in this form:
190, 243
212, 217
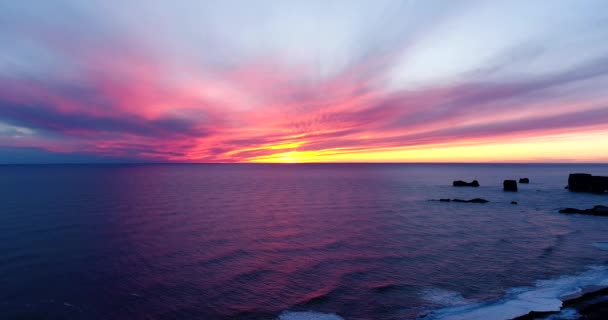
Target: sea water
293, 241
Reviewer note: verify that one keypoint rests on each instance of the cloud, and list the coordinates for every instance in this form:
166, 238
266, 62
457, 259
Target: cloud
240, 83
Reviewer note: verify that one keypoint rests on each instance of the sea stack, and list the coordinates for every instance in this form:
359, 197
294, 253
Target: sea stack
524, 180
599, 184
579, 182
585, 182
460, 183
509, 185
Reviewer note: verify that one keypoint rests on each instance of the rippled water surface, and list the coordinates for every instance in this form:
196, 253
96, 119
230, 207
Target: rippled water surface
260, 241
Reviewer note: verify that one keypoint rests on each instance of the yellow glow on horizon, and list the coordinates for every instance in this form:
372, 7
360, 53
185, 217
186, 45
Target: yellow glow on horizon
590, 147
289, 145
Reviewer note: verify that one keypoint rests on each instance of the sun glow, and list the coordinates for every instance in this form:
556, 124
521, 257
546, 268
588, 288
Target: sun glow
559, 148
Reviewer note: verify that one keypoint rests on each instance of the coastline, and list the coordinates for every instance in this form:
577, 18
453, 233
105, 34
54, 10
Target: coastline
565, 297
590, 304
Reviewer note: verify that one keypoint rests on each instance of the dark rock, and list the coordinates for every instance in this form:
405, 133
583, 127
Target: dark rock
444, 200
579, 182
460, 183
584, 182
599, 184
536, 315
524, 180
509, 185
600, 209
513, 202
590, 305
594, 310
596, 211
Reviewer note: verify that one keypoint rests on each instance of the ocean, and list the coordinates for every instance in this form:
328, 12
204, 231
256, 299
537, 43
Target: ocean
293, 241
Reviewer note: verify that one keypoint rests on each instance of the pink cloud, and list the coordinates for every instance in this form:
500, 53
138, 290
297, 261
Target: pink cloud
137, 105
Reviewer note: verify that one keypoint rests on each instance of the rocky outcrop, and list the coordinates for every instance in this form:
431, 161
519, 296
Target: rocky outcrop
460, 183
599, 184
596, 211
585, 182
476, 200
509, 185
579, 182
524, 180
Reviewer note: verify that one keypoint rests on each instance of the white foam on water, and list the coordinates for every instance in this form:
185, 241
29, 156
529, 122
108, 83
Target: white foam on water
601, 245
443, 297
308, 315
546, 295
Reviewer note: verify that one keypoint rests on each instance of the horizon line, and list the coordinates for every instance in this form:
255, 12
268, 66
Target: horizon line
291, 163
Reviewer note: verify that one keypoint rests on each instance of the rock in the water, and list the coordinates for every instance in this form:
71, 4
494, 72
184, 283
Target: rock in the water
599, 184
509, 185
460, 183
513, 202
579, 182
584, 182
444, 200
524, 180
571, 210
596, 211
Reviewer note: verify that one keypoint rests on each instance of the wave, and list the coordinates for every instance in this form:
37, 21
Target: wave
545, 296
601, 245
442, 297
308, 315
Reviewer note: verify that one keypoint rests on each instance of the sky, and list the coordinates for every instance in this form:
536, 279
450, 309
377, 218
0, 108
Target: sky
303, 81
